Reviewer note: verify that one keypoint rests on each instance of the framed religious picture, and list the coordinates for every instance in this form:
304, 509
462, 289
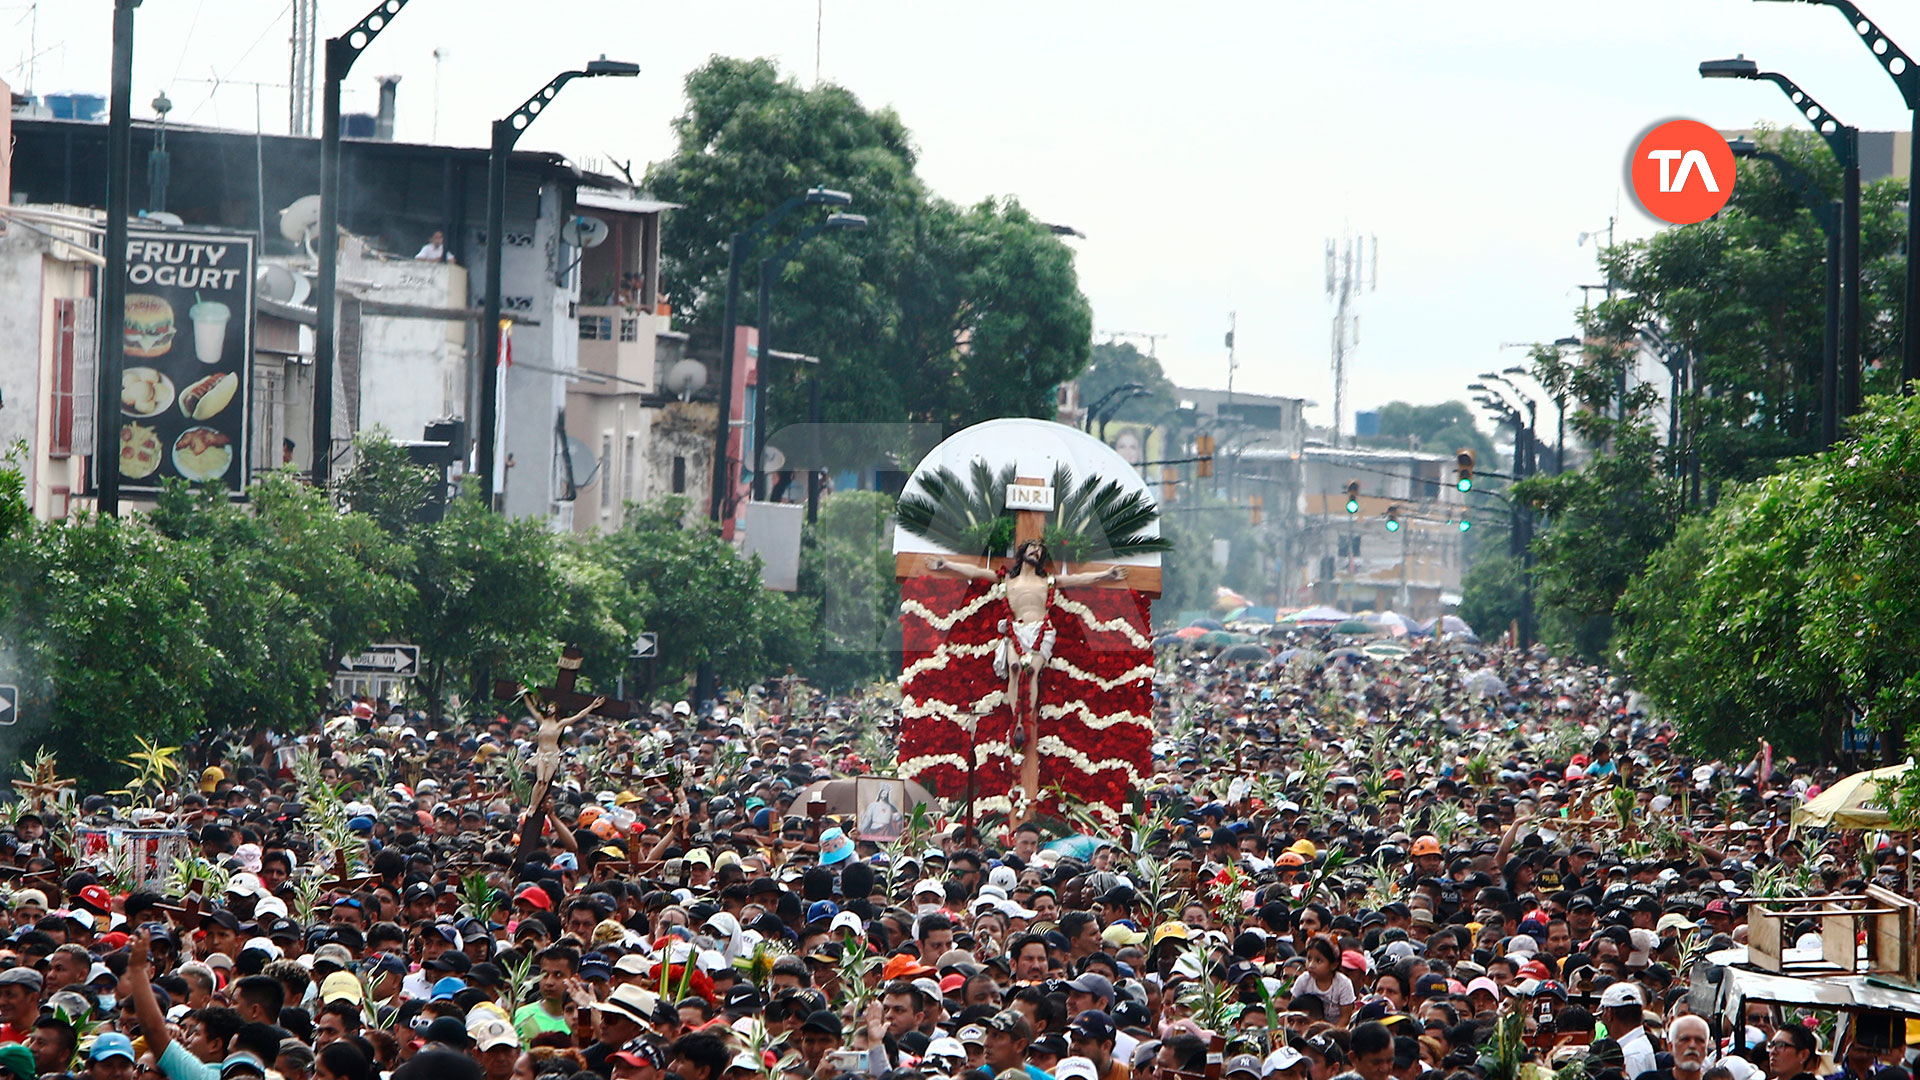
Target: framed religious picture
883, 808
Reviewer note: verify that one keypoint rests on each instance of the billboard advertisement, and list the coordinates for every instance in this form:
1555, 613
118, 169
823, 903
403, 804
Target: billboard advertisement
184, 387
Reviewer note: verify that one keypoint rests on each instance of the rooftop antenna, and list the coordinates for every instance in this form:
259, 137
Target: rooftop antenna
819, 24
1353, 267
300, 76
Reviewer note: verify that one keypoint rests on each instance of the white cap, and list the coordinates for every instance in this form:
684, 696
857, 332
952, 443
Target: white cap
1286, 1057
848, 921
1621, 993
1075, 1068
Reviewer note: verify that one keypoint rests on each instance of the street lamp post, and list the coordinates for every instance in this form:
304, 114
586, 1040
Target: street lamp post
1560, 403
1826, 213
1905, 74
113, 279
767, 268
1520, 531
342, 52
1844, 141
1086, 422
506, 133
1107, 414
739, 246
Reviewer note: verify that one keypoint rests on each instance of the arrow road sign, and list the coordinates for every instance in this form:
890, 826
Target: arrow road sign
9, 704
646, 645
398, 660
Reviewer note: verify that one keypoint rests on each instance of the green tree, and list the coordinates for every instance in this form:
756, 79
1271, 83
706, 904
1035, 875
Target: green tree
934, 313
704, 600
385, 484
846, 571
1113, 364
289, 583
1492, 593
106, 639
1712, 628
1435, 429
487, 602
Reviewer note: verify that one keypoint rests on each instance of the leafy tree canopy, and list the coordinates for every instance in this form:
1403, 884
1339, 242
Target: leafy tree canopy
935, 312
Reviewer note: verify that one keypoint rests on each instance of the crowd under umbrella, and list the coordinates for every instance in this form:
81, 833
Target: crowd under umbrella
1321, 615
1484, 683
1356, 626
1245, 652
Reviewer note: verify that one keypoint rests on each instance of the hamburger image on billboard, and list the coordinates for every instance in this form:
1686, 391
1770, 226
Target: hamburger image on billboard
188, 334
149, 325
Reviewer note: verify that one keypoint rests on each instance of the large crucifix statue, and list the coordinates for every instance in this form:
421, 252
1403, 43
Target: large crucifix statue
545, 705
1026, 585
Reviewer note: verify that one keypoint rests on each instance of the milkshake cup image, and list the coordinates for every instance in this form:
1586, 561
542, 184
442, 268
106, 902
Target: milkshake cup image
209, 329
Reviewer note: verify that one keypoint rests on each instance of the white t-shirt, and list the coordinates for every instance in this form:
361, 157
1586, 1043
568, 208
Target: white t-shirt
1337, 996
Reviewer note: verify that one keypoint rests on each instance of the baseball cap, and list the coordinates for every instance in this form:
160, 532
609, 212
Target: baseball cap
110, 1045
488, 1030
449, 1031
972, 1035
17, 1061
1092, 1025
1621, 993
1093, 983
1286, 1057
823, 1020
1075, 1068
1432, 984
1242, 1063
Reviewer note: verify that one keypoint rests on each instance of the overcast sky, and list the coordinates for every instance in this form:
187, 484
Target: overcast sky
1208, 149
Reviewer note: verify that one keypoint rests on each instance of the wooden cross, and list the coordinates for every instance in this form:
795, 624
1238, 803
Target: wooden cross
1028, 525
561, 697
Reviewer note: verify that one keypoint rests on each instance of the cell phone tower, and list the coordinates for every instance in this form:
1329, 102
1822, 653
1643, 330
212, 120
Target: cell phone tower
1353, 267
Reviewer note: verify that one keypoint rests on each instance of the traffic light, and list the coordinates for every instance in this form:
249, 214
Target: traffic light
1257, 504
1463, 463
1393, 519
1169, 479
1353, 496
1203, 449
1465, 524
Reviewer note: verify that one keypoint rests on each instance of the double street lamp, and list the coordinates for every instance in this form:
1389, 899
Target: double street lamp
739, 246
506, 133
1906, 76
770, 266
1844, 141
342, 52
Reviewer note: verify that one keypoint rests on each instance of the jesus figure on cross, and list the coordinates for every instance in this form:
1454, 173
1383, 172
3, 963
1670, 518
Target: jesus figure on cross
1028, 634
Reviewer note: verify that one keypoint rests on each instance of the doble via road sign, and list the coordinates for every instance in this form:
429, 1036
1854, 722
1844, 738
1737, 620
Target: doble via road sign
9, 704
398, 660
646, 646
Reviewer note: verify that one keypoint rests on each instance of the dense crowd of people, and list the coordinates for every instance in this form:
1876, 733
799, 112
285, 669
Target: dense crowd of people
1450, 865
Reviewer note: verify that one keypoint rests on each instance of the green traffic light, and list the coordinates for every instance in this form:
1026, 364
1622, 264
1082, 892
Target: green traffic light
1393, 525
1353, 506
1465, 524
1465, 484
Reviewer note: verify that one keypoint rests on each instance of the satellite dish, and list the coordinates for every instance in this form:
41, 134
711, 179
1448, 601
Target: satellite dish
276, 283
585, 465
686, 378
300, 222
584, 232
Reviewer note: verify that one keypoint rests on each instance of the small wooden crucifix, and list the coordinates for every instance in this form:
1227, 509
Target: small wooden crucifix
1026, 647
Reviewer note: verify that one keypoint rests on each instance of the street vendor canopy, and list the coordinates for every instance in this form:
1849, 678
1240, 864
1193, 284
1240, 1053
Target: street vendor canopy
1847, 804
